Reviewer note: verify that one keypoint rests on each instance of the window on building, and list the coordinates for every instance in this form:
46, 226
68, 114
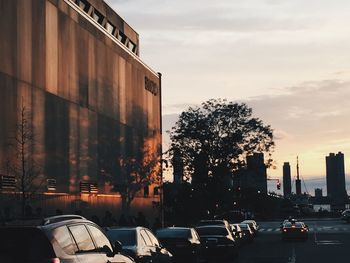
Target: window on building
8, 182
110, 28
98, 17
88, 187
51, 185
146, 191
84, 5
122, 37
131, 46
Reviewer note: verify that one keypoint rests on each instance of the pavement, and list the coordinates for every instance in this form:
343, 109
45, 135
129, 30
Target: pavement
329, 241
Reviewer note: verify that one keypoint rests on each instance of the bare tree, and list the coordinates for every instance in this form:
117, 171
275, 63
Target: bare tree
20, 162
138, 173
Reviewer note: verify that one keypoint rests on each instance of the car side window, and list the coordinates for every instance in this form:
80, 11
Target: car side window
82, 237
145, 238
100, 239
141, 240
154, 240
64, 239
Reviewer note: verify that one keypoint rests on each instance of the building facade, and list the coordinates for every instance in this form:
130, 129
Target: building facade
335, 169
74, 66
254, 176
287, 180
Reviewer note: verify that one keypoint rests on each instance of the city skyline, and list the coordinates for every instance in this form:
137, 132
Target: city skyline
293, 70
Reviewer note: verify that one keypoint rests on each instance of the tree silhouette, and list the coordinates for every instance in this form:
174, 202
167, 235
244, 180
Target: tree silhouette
20, 163
215, 138
138, 172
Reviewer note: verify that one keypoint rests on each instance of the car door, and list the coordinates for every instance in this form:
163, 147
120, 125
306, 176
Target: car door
161, 254
103, 245
87, 252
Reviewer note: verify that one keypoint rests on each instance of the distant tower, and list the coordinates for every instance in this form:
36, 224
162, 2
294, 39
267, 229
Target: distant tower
287, 180
336, 177
298, 181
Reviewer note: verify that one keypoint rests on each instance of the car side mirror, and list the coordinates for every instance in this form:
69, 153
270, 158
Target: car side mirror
118, 247
106, 249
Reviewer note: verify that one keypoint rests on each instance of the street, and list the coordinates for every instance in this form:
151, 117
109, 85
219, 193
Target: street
329, 241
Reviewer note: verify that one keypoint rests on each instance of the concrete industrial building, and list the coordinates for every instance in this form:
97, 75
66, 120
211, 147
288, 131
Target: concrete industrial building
75, 66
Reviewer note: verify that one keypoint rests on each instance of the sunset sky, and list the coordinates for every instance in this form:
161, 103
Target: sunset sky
288, 59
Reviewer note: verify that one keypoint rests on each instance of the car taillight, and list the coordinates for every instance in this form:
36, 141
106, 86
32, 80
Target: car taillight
284, 230
55, 260
302, 230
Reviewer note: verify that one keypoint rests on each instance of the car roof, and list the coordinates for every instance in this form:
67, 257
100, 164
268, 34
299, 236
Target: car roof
66, 222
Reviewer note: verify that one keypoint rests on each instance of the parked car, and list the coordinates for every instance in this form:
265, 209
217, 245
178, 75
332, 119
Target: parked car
59, 239
295, 230
345, 215
218, 242
253, 225
182, 242
248, 233
140, 244
220, 222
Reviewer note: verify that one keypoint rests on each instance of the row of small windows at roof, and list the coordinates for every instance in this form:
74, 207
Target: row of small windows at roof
109, 27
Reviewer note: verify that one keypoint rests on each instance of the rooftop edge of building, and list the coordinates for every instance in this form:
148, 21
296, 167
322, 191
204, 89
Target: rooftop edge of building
103, 16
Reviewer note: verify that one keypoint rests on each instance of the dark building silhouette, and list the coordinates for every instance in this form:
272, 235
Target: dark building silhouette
287, 180
75, 66
254, 177
318, 192
335, 169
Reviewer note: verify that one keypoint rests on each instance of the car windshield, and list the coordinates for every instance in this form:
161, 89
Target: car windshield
125, 236
212, 231
173, 233
24, 244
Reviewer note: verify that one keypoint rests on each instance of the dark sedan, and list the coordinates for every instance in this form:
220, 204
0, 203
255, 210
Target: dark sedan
294, 230
140, 244
182, 242
217, 242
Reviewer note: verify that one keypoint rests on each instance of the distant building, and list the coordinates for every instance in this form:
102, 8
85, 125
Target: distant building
254, 177
336, 190
318, 192
287, 180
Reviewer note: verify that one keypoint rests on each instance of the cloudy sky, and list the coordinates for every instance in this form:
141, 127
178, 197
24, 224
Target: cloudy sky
288, 59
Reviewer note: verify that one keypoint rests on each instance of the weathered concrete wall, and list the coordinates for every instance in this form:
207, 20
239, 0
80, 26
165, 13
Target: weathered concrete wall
86, 95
